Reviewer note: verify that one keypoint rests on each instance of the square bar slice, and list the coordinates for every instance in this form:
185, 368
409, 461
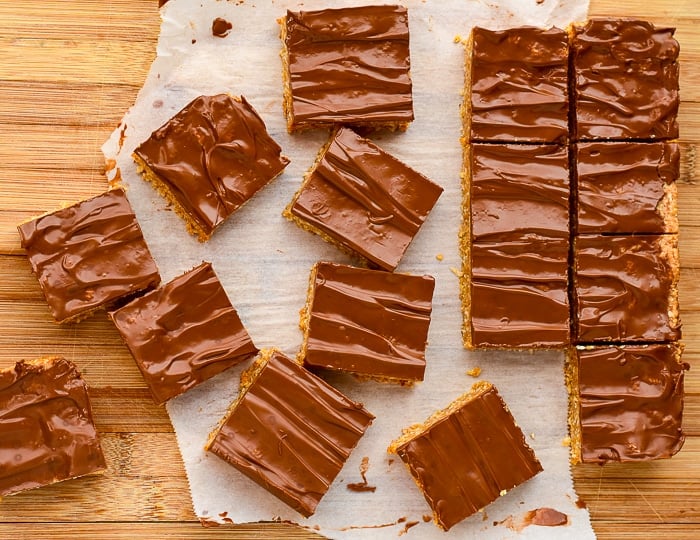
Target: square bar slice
466, 455
519, 189
363, 200
517, 85
627, 187
347, 66
625, 82
626, 289
370, 323
516, 295
89, 255
183, 333
209, 160
627, 402
47, 433
289, 431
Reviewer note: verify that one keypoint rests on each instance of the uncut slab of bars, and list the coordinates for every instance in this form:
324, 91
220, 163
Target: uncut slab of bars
611, 264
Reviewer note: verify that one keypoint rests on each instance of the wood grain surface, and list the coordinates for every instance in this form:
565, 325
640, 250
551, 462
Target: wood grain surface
69, 69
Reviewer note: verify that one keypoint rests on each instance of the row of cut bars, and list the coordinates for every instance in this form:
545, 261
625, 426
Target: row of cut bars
608, 227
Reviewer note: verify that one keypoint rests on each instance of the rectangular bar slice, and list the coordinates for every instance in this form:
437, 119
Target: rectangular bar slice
370, 323
47, 433
515, 246
289, 431
627, 402
517, 295
363, 200
89, 255
517, 85
625, 83
626, 289
347, 66
209, 160
517, 188
627, 187
467, 455
183, 333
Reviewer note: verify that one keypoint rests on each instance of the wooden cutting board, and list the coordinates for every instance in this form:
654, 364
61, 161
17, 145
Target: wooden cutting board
68, 71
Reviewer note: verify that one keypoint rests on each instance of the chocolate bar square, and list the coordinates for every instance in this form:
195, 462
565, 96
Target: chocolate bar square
347, 66
369, 323
183, 333
289, 431
89, 255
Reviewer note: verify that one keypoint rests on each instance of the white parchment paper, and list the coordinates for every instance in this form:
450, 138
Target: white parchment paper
264, 261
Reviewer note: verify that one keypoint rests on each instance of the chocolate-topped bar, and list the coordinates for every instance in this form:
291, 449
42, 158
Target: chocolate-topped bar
467, 455
183, 333
517, 188
625, 82
88, 255
370, 323
515, 246
626, 289
518, 293
517, 85
209, 160
627, 402
347, 66
47, 432
627, 187
289, 431
363, 200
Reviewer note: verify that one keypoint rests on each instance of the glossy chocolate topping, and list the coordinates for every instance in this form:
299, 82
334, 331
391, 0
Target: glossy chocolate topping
183, 333
626, 80
213, 156
631, 402
291, 433
519, 189
519, 85
88, 255
369, 322
626, 288
519, 292
46, 427
365, 199
464, 461
349, 65
626, 187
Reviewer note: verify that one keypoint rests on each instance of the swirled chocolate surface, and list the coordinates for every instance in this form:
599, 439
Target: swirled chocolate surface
519, 292
368, 322
88, 255
212, 157
625, 80
465, 460
627, 187
519, 189
625, 288
183, 333
366, 200
349, 65
47, 432
631, 402
519, 85
291, 433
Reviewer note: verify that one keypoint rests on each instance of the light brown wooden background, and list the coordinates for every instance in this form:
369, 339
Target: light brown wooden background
69, 69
